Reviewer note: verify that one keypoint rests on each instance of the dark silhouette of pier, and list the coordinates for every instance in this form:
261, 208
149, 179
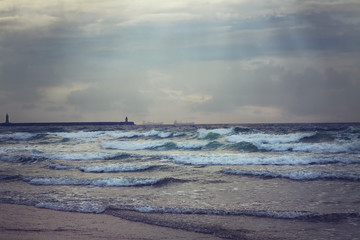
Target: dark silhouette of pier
8, 123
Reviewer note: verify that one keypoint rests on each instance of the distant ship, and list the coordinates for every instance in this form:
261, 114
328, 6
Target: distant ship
185, 123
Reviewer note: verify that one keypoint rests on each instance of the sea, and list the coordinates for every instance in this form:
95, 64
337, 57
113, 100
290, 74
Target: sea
233, 181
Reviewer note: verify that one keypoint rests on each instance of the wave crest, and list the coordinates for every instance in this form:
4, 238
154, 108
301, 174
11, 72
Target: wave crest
296, 175
248, 159
102, 182
110, 168
299, 215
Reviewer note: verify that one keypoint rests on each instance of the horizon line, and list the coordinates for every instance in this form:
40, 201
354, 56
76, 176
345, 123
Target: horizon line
179, 124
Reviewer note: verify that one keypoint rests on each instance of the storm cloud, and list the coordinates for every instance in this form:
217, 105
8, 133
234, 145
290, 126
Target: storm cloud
209, 61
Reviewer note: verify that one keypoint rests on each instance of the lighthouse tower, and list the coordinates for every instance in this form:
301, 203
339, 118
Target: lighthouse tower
7, 119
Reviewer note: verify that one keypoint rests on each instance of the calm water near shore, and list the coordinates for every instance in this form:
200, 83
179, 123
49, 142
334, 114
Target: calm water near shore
233, 181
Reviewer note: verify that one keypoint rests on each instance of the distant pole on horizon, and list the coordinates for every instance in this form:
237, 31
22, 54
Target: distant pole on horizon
7, 119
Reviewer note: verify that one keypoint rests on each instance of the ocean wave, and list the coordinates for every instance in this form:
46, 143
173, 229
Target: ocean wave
102, 182
9, 177
112, 134
318, 137
178, 210
212, 134
26, 159
110, 168
243, 130
354, 130
264, 138
80, 134
23, 136
296, 142
300, 215
132, 134
131, 145
213, 145
155, 133
246, 159
243, 147
296, 175
81, 206
86, 156
151, 145
335, 147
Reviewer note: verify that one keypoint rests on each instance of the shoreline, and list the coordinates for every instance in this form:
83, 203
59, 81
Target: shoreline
29, 222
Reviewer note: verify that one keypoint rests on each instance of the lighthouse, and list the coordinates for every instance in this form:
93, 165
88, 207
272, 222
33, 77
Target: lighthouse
7, 119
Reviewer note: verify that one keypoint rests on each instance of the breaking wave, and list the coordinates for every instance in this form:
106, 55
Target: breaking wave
80, 134
152, 145
247, 159
212, 134
21, 158
263, 138
243, 147
296, 142
21, 136
337, 147
152, 133
82, 206
318, 137
111, 168
301, 215
296, 175
86, 156
113, 134
102, 182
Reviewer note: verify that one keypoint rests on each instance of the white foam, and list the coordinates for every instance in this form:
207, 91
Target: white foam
131, 145
335, 147
116, 134
103, 182
142, 145
113, 168
82, 206
120, 182
296, 175
255, 213
290, 142
81, 156
202, 133
260, 139
152, 133
246, 159
80, 134
191, 145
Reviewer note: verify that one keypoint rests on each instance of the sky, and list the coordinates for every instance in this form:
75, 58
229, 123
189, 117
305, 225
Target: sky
229, 61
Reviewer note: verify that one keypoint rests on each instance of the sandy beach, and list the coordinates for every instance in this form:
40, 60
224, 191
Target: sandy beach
26, 222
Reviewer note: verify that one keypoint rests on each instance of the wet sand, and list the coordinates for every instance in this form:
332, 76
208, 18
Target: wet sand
26, 222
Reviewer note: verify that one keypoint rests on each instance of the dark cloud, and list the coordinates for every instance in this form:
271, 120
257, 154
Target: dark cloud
329, 93
109, 97
56, 109
91, 99
31, 61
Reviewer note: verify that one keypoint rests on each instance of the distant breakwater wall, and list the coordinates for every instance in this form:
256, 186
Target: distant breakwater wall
66, 123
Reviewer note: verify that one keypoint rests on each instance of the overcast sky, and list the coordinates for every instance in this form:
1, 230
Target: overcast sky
235, 61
